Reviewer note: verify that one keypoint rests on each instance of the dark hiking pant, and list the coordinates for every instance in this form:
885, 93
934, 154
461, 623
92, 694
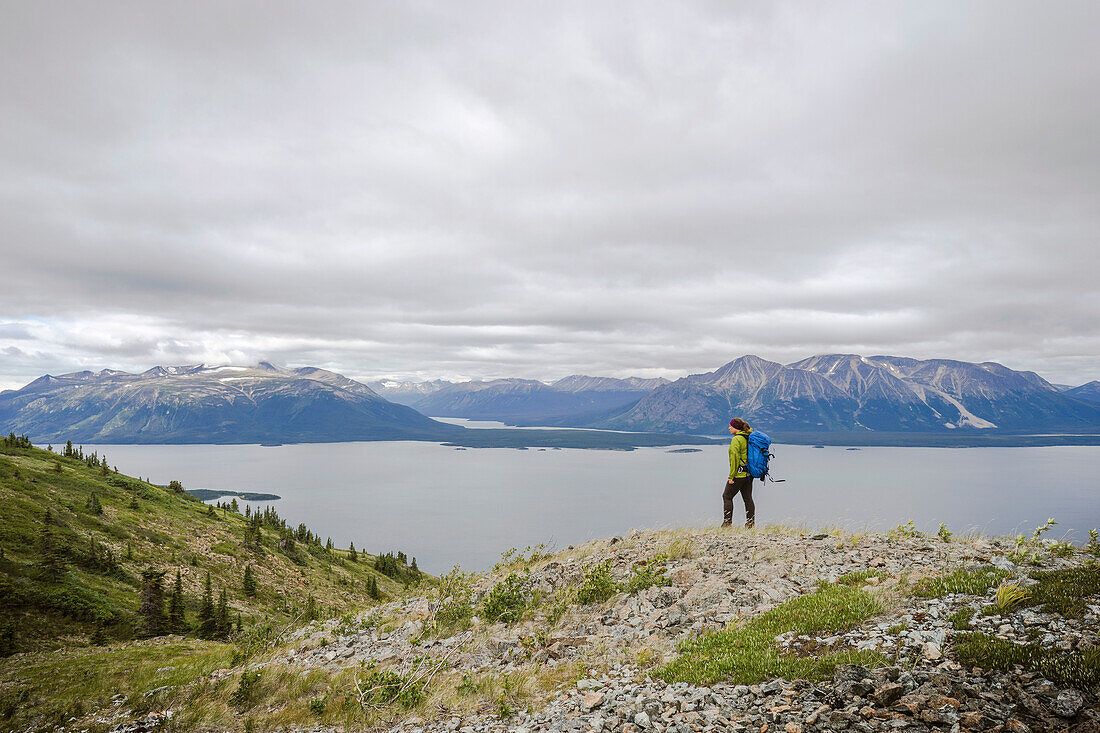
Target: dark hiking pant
741, 486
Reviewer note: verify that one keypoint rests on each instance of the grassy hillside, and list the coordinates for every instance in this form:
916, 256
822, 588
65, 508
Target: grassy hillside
81, 545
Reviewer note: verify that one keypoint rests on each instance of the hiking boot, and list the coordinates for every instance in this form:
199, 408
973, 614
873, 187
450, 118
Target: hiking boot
727, 524
750, 524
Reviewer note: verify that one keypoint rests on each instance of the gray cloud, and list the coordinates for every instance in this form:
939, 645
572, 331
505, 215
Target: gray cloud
635, 188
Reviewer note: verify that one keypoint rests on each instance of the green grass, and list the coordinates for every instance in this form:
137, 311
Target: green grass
53, 687
748, 654
1064, 591
859, 577
1080, 669
968, 581
225, 548
960, 620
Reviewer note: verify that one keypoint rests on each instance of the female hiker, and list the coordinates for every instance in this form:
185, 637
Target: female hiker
739, 482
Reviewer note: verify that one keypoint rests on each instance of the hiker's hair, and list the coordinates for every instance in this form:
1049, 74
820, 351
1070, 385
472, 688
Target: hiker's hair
739, 424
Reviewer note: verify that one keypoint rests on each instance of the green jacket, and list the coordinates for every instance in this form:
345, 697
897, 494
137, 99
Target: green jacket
739, 454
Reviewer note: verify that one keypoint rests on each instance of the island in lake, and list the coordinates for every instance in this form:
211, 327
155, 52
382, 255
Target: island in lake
208, 494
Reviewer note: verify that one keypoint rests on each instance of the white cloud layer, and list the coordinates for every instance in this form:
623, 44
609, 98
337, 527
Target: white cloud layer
508, 189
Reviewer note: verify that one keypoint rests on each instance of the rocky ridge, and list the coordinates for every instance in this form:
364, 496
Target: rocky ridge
606, 655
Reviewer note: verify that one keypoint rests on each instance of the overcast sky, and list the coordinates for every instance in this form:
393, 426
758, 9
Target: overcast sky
476, 190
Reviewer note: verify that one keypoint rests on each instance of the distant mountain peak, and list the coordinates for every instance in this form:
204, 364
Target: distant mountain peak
582, 382
194, 403
1089, 391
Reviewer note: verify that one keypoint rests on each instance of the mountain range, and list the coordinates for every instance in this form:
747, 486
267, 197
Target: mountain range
848, 392
842, 394
835, 393
406, 392
200, 404
572, 400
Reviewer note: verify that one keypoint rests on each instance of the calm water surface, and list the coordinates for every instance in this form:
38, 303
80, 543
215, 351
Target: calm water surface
448, 506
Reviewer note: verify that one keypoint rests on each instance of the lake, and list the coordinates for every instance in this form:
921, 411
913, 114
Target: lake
448, 506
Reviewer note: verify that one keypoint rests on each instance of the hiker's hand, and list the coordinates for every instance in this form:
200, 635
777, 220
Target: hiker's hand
729, 481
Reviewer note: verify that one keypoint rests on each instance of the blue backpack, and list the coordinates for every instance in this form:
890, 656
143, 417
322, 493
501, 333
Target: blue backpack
759, 453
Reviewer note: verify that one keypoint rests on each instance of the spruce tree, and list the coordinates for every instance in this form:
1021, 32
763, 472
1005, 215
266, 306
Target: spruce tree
311, 608
207, 625
94, 506
152, 602
52, 559
177, 620
352, 554
248, 583
413, 566
221, 616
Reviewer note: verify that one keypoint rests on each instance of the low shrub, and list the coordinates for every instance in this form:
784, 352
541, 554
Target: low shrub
647, 574
454, 598
1062, 549
524, 558
597, 585
506, 601
385, 687
904, 531
1093, 547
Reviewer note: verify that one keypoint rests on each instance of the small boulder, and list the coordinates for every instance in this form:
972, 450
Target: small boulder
591, 700
851, 673
1067, 704
887, 694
